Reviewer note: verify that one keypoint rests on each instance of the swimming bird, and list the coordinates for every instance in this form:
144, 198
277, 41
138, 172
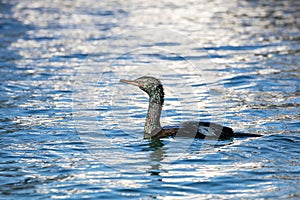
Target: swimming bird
153, 128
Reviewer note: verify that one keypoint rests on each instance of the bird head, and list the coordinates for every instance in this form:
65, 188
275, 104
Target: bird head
151, 86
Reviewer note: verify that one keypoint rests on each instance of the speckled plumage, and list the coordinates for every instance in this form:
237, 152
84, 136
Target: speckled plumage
153, 129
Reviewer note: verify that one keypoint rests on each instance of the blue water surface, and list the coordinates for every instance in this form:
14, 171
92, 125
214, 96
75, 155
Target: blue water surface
70, 130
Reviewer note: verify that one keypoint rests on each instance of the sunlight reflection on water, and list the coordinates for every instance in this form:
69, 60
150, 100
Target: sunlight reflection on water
247, 77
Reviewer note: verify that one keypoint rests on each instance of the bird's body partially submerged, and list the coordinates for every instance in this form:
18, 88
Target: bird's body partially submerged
153, 129
194, 129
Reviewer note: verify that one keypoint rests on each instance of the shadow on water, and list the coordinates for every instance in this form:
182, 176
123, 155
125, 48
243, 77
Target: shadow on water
156, 156
160, 149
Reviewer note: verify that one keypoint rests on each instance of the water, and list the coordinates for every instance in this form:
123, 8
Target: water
69, 129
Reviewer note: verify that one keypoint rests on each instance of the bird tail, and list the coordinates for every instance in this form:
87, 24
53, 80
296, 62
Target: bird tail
242, 135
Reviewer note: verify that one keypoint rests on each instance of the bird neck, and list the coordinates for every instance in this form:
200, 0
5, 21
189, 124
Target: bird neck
156, 100
152, 125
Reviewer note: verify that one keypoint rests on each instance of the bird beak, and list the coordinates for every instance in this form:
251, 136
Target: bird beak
130, 82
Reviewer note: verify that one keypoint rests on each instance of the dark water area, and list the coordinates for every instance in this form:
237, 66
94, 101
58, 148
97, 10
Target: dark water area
70, 130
